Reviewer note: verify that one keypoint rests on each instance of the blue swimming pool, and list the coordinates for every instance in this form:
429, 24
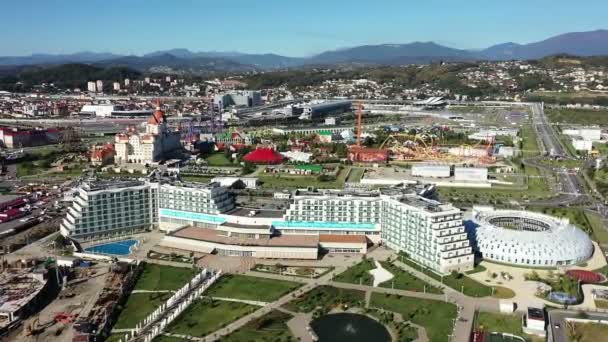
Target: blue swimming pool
122, 247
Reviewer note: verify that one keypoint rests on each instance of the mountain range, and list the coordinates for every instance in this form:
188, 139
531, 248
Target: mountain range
590, 43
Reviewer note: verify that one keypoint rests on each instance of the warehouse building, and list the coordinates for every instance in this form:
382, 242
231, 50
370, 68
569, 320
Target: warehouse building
471, 174
431, 171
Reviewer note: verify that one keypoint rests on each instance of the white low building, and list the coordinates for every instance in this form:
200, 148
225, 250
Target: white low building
587, 133
431, 171
247, 182
581, 144
471, 174
297, 156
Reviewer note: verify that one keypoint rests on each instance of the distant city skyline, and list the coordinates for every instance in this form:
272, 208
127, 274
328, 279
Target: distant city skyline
283, 27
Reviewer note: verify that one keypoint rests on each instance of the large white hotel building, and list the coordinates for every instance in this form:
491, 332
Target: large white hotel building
203, 218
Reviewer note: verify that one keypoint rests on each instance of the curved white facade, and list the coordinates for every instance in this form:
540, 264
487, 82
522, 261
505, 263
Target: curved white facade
528, 239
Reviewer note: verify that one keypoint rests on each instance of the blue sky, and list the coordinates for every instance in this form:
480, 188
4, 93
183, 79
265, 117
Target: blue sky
288, 27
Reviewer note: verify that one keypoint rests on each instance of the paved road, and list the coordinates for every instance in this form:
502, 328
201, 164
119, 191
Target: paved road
568, 185
549, 140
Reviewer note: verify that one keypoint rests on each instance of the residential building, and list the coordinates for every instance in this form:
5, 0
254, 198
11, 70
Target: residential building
92, 87
99, 86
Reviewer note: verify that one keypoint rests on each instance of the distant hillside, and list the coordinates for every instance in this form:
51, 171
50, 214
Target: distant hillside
592, 43
170, 63
392, 53
76, 75
34, 59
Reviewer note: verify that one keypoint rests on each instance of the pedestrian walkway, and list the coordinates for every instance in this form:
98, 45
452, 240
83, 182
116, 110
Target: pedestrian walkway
152, 291
245, 301
276, 305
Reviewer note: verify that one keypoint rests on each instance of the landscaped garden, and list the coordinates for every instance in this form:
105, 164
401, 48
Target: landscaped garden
161, 277
404, 280
457, 281
250, 288
358, 274
270, 327
435, 316
564, 289
326, 298
205, 316
138, 307
295, 271
403, 330
509, 324
587, 332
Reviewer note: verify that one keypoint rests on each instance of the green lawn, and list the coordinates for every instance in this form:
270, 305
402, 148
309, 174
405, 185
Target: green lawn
162, 338
493, 322
529, 143
218, 159
327, 298
457, 281
476, 269
578, 116
270, 327
294, 181
138, 307
406, 281
435, 316
251, 288
356, 173
503, 292
600, 233
358, 274
589, 332
160, 277
205, 316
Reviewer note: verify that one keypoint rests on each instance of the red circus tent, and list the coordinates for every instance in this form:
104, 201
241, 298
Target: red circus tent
264, 156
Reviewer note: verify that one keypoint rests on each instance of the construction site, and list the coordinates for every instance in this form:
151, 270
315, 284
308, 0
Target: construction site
63, 299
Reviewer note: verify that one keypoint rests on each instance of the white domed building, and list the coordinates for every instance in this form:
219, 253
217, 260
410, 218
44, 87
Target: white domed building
528, 239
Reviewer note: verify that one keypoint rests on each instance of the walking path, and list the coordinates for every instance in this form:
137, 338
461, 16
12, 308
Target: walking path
184, 337
298, 324
276, 305
152, 291
245, 301
462, 324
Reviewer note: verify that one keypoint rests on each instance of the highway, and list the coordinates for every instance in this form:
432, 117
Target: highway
549, 140
568, 184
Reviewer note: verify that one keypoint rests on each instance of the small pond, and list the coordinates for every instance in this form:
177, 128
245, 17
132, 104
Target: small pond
348, 327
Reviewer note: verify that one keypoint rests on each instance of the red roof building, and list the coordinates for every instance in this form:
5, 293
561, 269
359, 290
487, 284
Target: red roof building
264, 155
